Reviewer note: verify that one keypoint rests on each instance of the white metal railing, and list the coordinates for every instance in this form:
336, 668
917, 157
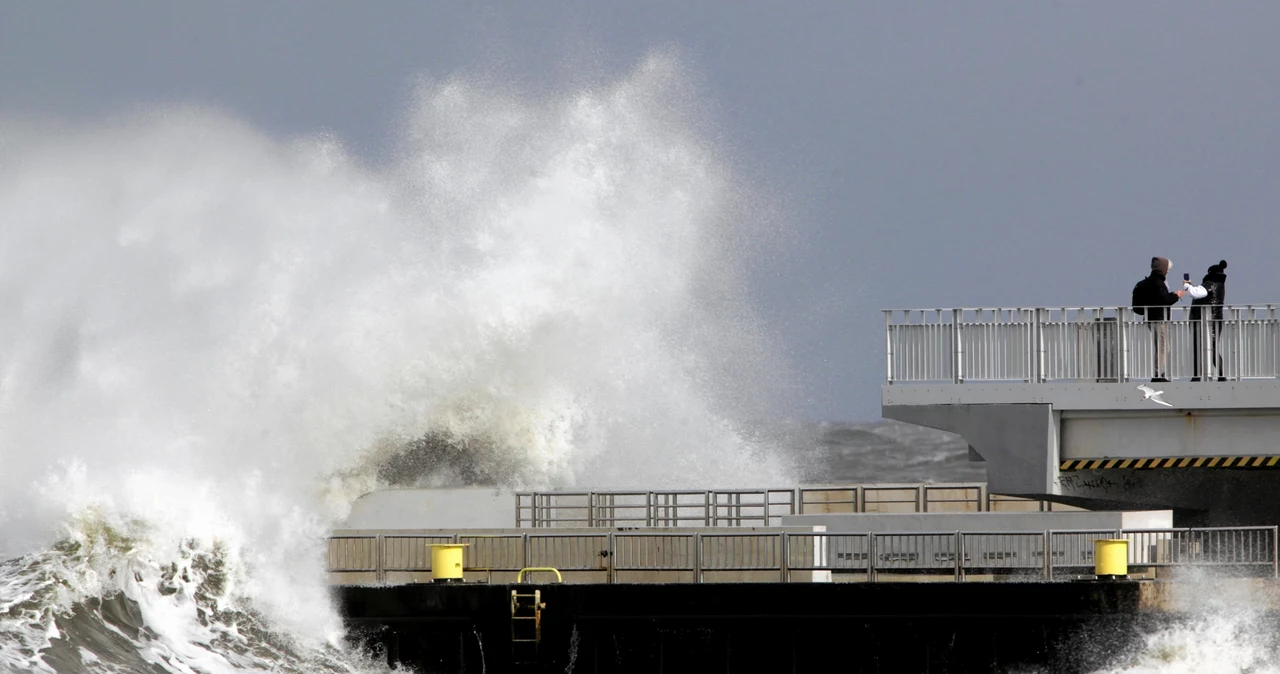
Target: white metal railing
1095, 344
753, 507
775, 556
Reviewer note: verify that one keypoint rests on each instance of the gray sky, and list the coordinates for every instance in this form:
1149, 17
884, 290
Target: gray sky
928, 153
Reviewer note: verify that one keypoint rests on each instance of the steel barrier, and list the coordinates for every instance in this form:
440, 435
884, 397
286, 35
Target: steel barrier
777, 555
752, 507
1085, 344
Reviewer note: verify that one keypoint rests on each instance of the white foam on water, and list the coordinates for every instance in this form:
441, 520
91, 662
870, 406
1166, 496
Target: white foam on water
1222, 628
212, 338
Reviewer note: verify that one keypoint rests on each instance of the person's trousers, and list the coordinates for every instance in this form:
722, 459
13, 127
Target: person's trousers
1214, 328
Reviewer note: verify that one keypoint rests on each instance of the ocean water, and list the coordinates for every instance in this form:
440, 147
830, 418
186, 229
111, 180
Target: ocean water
212, 340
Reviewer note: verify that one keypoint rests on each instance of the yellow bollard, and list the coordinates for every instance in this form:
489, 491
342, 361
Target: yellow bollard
1111, 558
446, 562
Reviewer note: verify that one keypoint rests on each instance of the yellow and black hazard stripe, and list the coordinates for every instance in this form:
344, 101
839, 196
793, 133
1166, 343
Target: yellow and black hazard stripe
1174, 462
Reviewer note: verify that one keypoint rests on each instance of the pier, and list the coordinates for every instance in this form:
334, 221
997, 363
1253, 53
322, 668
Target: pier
1048, 398
748, 579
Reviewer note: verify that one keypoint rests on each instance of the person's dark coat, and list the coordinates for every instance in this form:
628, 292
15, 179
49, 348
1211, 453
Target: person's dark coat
1215, 285
1153, 291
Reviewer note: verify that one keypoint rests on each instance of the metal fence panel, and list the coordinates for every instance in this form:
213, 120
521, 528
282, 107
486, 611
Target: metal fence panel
740, 552
496, 553
622, 509
988, 551
569, 552
409, 553
1073, 549
352, 553
654, 552
827, 551
914, 551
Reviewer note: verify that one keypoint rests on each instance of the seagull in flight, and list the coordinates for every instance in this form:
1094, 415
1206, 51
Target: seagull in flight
1154, 396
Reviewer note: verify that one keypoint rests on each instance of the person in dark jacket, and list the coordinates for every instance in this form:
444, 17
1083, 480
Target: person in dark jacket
1206, 304
1155, 295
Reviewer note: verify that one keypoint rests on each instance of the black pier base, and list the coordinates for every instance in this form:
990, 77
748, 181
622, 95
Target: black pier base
882, 627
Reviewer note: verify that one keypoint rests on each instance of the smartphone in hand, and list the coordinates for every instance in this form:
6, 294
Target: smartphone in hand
1186, 276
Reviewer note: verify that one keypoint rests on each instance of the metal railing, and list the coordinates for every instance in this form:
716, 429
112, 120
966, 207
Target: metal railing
753, 507
775, 556
1093, 344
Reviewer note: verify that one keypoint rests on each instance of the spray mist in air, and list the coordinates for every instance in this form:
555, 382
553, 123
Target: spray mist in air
213, 340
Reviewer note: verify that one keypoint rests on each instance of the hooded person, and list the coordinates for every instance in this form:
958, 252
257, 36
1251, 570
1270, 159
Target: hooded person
1154, 290
1153, 293
1206, 304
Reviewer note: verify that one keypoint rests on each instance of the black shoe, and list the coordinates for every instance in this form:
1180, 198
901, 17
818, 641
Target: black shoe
1159, 380
1222, 378
1195, 379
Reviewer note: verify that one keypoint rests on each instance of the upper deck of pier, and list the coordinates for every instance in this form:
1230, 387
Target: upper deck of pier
1067, 355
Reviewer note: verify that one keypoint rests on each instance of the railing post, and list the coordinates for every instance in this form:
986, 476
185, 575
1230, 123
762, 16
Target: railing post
611, 570
959, 553
957, 349
784, 564
1239, 345
379, 566
697, 557
1038, 331
1122, 325
591, 509
706, 509
524, 551
1116, 349
1204, 355
1275, 356
648, 509
871, 557
888, 345
1048, 554
1275, 552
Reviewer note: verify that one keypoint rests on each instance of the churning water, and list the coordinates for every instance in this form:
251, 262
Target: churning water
211, 340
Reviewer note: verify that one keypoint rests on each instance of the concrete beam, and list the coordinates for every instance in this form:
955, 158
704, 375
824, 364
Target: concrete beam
1019, 442
1249, 394
1171, 433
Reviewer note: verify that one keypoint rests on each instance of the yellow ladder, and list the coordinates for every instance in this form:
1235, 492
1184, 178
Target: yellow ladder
526, 625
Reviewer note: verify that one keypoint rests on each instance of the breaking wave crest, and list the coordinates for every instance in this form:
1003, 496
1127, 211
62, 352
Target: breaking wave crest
103, 600
215, 340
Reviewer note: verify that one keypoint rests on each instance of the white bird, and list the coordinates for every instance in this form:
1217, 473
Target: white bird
1152, 395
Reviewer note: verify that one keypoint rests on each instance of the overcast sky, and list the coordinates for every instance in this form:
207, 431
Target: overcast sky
927, 154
